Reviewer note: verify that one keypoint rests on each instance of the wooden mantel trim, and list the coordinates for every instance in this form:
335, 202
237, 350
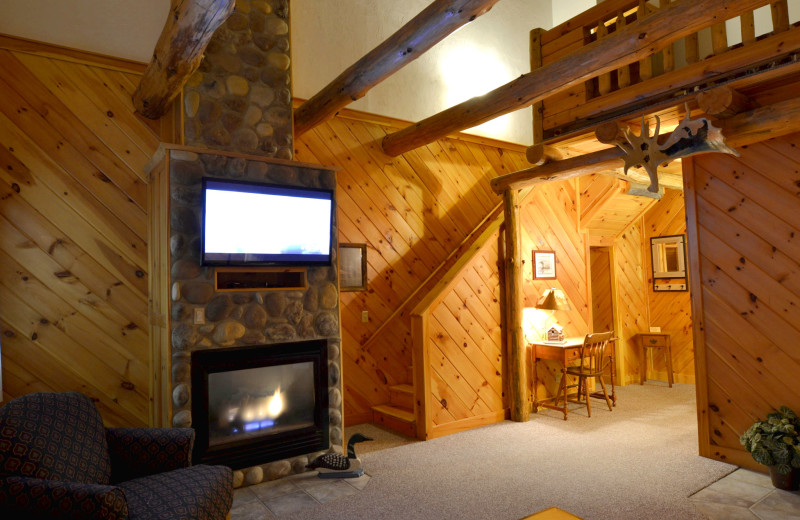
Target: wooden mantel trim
623, 47
767, 122
178, 52
440, 19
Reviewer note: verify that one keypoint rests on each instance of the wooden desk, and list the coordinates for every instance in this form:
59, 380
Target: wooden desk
565, 353
649, 340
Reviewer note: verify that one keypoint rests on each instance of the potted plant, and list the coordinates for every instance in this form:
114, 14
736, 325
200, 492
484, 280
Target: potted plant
775, 443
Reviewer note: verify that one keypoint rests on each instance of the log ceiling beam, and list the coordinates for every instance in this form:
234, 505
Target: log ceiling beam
623, 47
762, 123
440, 19
178, 52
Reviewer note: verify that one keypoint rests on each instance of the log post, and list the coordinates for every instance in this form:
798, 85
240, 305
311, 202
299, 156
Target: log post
603, 80
692, 48
780, 16
669, 51
748, 24
538, 107
723, 102
646, 63
178, 52
434, 23
619, 48
624, 72
719, 38
516, 339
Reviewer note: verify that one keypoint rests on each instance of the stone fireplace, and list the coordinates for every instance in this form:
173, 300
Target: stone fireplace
202, 316
237, 117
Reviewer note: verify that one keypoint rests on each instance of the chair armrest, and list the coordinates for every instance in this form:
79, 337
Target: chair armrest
33, 498
138, 452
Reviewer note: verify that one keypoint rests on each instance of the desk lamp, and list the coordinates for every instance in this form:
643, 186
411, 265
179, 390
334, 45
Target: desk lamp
552, 300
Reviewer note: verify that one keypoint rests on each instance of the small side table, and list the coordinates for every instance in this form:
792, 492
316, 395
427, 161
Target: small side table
650, 340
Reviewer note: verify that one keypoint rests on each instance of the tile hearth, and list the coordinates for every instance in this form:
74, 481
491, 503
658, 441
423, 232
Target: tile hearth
291, 494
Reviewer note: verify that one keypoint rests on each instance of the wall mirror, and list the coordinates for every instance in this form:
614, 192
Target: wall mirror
668, 254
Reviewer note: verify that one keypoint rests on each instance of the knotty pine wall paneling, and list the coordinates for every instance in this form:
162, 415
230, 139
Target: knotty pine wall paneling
631, 300
412, 211
549, 220
744, 245
669, 310
73, 230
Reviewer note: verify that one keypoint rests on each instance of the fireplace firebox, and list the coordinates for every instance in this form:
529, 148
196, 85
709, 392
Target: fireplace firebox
258, 404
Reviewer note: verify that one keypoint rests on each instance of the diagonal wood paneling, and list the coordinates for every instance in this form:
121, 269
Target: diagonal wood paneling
411, 211
669, 310
73, 238
631, 300
745, 288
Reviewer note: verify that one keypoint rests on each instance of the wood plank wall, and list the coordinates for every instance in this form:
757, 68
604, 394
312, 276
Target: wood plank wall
465, 336
632, 308
411, 211
744, 245
73, 230
669, 310
465, 347
549, 220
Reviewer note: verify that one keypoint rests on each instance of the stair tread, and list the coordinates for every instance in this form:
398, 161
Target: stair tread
399, 413
405, 387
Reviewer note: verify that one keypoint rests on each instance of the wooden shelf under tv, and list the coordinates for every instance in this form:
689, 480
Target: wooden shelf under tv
259, 278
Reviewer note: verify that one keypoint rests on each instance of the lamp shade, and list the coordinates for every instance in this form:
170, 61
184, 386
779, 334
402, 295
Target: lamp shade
553, 300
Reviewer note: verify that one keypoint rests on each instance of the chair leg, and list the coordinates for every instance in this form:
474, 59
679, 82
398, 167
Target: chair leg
588, 403
605, 393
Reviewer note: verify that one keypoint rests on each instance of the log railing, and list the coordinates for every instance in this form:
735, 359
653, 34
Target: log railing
689, 64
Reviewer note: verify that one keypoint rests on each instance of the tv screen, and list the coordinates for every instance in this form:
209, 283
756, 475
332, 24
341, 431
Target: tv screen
246, 223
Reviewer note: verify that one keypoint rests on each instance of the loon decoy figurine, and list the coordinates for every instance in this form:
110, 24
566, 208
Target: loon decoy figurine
339, 462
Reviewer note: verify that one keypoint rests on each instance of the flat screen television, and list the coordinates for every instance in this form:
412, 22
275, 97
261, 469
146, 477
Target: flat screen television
246, 223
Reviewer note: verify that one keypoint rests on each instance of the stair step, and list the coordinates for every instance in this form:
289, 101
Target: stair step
402, 396
398, 419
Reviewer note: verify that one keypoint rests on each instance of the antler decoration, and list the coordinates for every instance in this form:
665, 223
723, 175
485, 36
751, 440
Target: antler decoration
690, 137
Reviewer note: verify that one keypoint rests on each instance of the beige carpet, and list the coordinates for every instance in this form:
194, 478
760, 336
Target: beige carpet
639, 461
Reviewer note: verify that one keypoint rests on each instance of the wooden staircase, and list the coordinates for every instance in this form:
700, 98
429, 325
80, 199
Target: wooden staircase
398, 414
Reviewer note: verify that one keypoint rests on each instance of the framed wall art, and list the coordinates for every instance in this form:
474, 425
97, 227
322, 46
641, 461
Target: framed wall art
544, 265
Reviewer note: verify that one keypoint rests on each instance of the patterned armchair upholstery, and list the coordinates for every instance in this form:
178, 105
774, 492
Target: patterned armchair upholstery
57, 461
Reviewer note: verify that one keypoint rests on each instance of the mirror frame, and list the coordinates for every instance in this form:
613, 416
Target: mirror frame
659, 272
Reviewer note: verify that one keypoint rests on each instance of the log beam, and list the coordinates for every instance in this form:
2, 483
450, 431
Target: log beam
620, 48
723, 102
440, 19
762, 123
540, 154
178, 52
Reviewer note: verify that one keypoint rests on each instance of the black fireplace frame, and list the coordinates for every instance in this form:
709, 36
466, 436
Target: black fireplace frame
254, 451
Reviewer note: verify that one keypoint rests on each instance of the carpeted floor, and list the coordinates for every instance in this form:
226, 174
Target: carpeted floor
639, 461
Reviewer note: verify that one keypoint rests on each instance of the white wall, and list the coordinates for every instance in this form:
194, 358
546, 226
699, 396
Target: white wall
123, 28
330, 35
563, 10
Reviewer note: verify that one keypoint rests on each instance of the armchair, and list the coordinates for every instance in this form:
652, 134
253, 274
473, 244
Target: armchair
58, 461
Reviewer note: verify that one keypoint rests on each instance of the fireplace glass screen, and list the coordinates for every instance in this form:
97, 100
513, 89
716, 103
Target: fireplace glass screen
259, 401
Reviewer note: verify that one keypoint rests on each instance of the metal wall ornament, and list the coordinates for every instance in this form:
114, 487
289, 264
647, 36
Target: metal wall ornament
690, 137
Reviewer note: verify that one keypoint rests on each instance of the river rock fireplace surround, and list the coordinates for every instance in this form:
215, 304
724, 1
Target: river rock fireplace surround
191, 314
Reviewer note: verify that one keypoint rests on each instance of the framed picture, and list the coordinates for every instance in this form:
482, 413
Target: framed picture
353, 267
544, 265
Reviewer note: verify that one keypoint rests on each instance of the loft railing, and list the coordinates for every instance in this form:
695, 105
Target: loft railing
699, 61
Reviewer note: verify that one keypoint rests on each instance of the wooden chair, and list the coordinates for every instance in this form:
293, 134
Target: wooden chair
594, 360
